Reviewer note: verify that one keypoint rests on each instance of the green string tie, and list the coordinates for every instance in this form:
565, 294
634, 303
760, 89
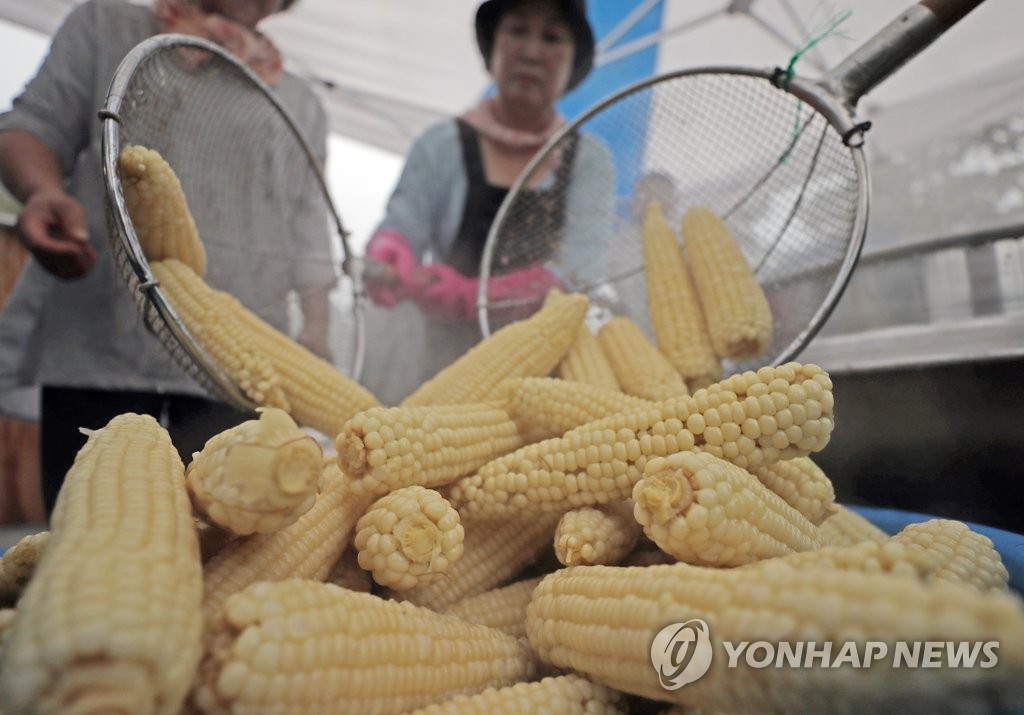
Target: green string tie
790, 71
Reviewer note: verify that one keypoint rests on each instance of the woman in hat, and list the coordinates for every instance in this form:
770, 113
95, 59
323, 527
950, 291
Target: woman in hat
459, 171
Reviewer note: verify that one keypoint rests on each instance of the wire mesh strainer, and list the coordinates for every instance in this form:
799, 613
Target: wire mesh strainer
779, 157
254, 187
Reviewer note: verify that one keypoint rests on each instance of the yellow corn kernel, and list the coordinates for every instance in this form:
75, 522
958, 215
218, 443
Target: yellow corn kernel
546, 407
409, 538
296, 647
586, 362
258, 476
110, 620
680, 331
502, 608
640, 367
600, 621
704, 510
307, 549
159, 210
563, 694
964, 555
802, 484
597, 535
525, 348
18, 564
736, 310
272, 370
347, 573
493, 552
600, 462
386, 448
844, 526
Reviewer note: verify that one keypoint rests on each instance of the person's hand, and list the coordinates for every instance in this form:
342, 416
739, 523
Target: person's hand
53, 228
442, 292
517, 295
390, 280
532, 283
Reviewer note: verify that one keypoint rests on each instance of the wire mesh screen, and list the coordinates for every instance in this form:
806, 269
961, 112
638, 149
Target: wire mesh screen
255, 194
769, 164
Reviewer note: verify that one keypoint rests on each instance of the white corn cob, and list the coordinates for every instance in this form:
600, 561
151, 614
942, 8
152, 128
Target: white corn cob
110, 621
409, 538
258, 476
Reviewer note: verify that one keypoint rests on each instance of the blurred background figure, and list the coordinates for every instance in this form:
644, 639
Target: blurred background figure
656, 186
71, 325
456, 176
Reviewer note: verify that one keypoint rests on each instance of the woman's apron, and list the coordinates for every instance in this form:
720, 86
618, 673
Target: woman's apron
447, 340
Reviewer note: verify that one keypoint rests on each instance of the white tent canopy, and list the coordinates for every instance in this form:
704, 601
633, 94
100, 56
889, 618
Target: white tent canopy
387, 68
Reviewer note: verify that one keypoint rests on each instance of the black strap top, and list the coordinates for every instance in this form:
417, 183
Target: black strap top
543, 215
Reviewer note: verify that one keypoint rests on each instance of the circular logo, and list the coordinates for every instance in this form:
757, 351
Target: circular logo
681, 653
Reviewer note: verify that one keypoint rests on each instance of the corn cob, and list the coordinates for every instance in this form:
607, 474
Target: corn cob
844, 526
382, 449
268, 367
704, 510
641, 369
18, 564
302, 647
258, 476
347, 573
493, 552
680, 331
307, 549
210, 316
159, 210
964, 555
568, 694
110, 620
750, 419
525, 348
597, 535
545, 407
408, 538
600, 620
502, 608
802, 484
321, 396
736, 310
923, 561
586, 362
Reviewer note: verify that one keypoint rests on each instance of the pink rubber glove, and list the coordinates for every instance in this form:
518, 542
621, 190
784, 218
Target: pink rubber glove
531, 283
448, 294
444, 293
391, 250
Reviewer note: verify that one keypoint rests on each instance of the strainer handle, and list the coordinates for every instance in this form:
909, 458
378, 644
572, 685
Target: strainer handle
950, 12
895, 44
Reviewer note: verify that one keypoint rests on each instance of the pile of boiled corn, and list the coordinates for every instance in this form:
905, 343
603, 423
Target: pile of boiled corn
504, 541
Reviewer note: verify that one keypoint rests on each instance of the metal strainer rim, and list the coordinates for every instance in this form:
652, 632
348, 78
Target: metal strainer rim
135, 267
815, 95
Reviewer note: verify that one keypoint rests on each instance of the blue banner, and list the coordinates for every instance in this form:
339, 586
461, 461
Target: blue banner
605, 80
